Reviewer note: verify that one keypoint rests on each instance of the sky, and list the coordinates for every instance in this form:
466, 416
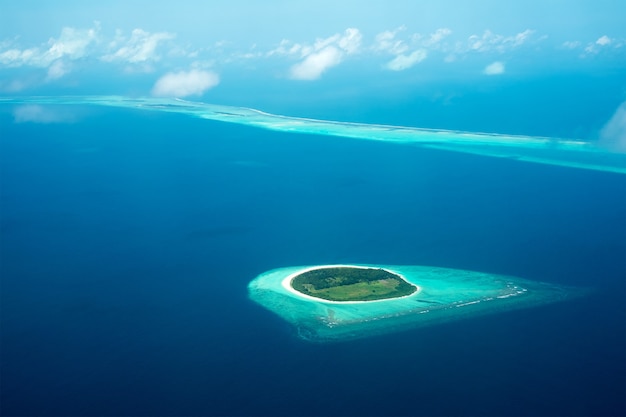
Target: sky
230, 51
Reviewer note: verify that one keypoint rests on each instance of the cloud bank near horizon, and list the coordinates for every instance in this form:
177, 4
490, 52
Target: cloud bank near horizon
77, 50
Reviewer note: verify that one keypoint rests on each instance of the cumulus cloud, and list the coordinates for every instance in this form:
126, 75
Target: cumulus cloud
185, 83
72, 44
402, 62
16, 57
613, 134
314, 65
495, 68
57, 70
440, 42
602, 43
141, 47
322, 55
350, 41
437, 37
32, 113
490, 41
285, 47
412, 49
387, 42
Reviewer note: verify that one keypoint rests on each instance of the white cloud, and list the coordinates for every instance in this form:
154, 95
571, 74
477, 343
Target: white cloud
521, 38
495, 68
72, 44
386, 42
440, 42
613, 134
16, 57
602, 43
38, 114
437, 37
322, 55
402, 62
571, 44
490, 41
183, 84
350, 41
411, 50
314, 65
141, 47
284, 48
57, 70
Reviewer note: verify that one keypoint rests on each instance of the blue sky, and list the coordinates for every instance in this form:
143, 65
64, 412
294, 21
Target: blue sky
230, 51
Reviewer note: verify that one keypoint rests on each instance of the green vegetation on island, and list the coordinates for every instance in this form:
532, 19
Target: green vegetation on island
352, 284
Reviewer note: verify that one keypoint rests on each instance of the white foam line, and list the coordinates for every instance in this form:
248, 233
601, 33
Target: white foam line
468, 303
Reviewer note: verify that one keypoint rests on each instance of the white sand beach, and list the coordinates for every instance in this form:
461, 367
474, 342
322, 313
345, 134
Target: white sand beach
286, 283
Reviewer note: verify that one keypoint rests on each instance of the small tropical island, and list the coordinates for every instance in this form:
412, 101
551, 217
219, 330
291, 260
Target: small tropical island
327, 303
351, 283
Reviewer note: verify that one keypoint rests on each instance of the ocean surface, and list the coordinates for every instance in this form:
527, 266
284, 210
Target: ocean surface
128, 239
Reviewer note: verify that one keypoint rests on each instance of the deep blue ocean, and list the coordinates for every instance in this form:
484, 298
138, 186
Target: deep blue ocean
128, 239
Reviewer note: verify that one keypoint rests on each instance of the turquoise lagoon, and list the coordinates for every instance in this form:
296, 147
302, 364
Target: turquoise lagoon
445, 295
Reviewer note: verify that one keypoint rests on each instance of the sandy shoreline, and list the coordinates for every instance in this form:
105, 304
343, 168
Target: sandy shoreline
286, 283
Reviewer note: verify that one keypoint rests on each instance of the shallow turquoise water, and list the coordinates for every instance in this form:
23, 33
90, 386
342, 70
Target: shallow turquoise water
445, 295
552, 151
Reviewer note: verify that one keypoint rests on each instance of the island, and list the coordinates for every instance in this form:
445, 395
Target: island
329, 303
351, 283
